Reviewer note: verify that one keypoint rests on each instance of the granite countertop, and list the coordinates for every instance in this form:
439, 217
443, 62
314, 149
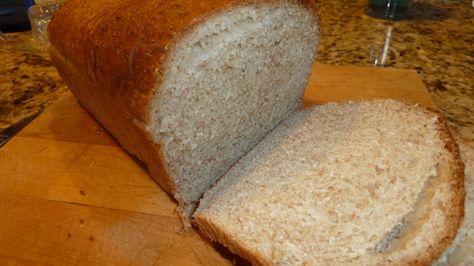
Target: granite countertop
28, 80
437, 40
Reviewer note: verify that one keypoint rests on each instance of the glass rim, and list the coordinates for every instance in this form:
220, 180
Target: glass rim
45, 8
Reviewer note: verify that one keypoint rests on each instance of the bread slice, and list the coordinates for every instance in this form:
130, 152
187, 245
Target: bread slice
187, 86
359, 183
461, 252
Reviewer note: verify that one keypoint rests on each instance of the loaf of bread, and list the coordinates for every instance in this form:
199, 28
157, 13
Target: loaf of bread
203, 91
368, 183
187, 86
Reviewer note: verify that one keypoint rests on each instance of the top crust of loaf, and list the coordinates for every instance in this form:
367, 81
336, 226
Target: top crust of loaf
428, 230
128, 71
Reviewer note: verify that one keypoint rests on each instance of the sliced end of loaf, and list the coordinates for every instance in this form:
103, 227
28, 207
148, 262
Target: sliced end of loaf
367, 183
460, 252
229, 81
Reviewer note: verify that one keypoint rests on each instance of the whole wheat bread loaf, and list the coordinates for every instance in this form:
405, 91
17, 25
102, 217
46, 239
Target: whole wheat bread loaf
368, 183
190, 87
187, 86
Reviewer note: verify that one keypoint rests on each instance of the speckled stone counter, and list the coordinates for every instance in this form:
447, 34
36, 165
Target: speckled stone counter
28, 80
437, 40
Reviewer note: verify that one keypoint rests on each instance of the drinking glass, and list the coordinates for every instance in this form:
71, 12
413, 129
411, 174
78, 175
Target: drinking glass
388, 9
40, 15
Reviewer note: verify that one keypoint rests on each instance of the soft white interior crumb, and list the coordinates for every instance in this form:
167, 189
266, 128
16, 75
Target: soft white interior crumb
329, 183
230, 81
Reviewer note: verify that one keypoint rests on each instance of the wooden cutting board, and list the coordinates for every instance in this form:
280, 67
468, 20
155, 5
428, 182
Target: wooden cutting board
70, 195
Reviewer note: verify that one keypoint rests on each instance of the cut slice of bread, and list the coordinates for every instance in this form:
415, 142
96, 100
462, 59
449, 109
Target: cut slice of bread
461, 252
366, 183
188, 87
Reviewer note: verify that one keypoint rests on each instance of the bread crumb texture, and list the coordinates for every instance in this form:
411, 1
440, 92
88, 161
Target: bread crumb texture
229, 82
334, 184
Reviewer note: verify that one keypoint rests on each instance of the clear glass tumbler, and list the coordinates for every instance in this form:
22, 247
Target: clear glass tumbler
40, 15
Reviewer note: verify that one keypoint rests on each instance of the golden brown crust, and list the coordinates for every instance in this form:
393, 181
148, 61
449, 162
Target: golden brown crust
123, 127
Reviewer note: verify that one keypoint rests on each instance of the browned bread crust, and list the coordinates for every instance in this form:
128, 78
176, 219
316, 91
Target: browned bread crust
123, 126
